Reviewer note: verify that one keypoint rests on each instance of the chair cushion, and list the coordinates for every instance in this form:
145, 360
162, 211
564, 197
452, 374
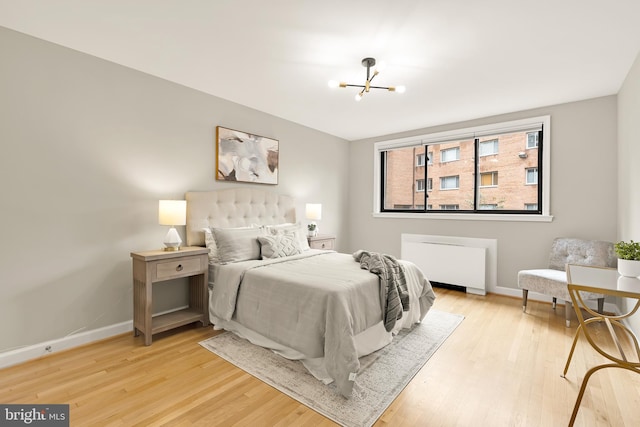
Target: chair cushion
596, 253
549, 282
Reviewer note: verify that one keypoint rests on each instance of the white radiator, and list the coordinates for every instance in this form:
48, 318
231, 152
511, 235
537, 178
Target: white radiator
461, 261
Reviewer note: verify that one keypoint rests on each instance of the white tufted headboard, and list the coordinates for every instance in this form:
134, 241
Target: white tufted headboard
235, 207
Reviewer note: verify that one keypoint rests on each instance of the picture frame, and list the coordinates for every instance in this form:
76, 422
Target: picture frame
246, 157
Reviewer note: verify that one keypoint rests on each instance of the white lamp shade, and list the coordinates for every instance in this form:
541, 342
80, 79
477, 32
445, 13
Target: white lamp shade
172, 212
314, 211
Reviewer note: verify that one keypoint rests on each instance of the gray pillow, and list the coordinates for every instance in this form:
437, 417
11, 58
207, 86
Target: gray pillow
279, 245
237, 244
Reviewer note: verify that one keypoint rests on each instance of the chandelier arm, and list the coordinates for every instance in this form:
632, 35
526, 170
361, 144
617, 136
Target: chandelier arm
368, 63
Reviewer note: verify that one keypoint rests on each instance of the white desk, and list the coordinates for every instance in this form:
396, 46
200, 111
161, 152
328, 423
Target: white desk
605, 281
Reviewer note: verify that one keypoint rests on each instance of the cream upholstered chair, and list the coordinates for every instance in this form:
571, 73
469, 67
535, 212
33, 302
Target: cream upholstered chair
552, 281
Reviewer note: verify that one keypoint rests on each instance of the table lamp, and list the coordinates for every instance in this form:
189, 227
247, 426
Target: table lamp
172, 213
314, 213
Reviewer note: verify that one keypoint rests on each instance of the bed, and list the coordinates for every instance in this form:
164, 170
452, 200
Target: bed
320, 307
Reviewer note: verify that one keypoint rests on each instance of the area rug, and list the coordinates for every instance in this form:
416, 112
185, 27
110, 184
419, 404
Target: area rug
383, 374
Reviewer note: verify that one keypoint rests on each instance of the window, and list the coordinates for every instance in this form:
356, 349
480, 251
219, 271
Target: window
488, 179
420, 160
401, 185
449, 207
450, 154
488, 148
476, 170
449, 182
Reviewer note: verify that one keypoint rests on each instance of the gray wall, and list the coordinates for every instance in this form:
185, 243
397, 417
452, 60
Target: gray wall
88, 149
583, 191
628, 161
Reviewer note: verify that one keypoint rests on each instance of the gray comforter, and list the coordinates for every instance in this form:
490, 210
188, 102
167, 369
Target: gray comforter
316, 303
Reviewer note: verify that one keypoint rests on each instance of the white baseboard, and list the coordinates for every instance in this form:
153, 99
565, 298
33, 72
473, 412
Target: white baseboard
23, 354
533, 296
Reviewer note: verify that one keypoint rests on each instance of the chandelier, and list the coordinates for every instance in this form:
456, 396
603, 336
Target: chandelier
368, 63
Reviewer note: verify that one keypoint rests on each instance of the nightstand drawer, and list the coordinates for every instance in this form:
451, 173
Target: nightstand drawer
322, 243
181, 268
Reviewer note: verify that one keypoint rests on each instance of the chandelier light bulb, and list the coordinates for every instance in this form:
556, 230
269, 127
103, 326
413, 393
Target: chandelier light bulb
358, 96
333, 84
401, 89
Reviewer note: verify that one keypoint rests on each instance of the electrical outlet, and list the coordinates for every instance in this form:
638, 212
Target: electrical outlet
48, 349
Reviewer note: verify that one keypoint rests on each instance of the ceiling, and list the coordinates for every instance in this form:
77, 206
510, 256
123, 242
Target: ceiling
459, 60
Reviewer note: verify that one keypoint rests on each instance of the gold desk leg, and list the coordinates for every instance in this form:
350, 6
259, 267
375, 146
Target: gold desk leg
583, 387
573, 347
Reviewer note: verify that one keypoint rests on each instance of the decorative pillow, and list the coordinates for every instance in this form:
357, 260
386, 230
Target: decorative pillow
279, 245
290, 227
237, 244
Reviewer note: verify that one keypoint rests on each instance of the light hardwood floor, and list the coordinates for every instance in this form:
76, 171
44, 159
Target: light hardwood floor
501, 367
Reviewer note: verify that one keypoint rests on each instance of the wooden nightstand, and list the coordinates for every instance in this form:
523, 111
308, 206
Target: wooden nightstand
150, 267
322, 242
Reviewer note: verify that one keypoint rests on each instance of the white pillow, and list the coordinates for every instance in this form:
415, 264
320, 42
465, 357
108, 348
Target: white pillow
210, 243
279, 245
290, 227
237, 244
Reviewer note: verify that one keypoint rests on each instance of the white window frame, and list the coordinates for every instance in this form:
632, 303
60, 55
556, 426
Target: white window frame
418, 189
420, 159
447, 178
489, 206
456, 207
450, 150
528, 147
495, 145
459, 134
493, 173
526, 176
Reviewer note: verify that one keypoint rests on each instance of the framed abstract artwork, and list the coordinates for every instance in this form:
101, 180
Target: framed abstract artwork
244, 157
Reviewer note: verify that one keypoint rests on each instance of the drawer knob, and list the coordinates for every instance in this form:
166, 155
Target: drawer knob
179, 267
323, 245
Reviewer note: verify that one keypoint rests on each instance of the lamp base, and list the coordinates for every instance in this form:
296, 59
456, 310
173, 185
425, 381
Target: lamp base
172, 241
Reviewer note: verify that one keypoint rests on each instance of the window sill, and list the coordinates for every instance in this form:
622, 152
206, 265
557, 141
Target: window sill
465, 217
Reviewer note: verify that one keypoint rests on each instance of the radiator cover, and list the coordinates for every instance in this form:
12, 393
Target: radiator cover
461, 261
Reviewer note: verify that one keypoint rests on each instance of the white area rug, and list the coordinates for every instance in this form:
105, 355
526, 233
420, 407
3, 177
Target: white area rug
383, 374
